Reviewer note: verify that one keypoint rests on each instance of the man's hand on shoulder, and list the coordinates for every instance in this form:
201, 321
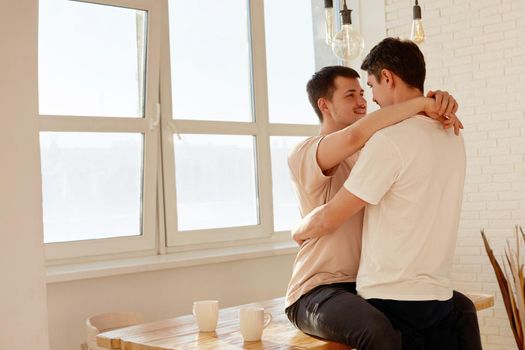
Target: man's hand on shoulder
442, 107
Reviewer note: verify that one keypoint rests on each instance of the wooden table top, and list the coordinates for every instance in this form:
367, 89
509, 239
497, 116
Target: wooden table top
182, 332
481, 301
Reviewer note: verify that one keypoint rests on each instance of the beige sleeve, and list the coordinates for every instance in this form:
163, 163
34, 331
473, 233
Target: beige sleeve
303, 165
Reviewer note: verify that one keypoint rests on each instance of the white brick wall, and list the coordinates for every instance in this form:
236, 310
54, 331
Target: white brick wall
476, 50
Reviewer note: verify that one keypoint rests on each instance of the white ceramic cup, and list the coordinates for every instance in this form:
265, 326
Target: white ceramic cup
253, 320
206, 313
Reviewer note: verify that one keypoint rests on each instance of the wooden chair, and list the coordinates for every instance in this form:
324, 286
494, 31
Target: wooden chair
106, 322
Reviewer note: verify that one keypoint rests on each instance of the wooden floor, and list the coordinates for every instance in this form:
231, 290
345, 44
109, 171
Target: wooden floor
182, 332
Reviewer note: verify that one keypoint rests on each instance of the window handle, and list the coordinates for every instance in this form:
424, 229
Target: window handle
173, 128
155, 121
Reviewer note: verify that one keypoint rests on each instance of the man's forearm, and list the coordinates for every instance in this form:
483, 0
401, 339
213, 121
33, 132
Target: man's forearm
329, 217
312, 225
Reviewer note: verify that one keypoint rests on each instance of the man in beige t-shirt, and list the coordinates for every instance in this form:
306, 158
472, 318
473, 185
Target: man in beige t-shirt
321, 297
410, 178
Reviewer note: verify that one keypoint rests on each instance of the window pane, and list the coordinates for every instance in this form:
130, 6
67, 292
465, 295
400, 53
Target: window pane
215, 181
210, 60
289, 60
91, 59
91, 184
285, 207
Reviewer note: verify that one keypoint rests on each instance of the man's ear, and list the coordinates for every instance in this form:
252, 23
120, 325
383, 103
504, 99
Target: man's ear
322, 105
388, 77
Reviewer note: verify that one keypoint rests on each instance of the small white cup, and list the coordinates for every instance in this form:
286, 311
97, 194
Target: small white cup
206, 313
253, 320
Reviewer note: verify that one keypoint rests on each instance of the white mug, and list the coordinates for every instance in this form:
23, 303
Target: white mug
206, 313
253, 320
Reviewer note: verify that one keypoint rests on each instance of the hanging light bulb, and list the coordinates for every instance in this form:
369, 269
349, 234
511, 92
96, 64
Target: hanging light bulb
417, 34
329, 23
347, 43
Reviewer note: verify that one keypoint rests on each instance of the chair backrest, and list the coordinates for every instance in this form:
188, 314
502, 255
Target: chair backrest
105, 322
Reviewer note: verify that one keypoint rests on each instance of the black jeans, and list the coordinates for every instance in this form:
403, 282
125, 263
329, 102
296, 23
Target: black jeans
432, 324
334, 312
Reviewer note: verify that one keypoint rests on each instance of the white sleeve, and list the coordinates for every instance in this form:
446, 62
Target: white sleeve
376, 170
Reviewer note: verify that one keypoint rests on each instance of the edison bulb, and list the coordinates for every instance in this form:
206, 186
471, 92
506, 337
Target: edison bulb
329, 24
348, 43
417, 34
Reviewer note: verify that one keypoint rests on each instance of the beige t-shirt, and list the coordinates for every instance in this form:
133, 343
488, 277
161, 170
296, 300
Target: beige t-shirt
333, 258
412, 176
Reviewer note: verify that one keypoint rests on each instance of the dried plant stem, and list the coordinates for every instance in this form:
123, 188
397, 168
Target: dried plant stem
511, 283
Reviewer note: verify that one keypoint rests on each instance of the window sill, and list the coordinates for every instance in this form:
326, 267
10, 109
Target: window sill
73, 272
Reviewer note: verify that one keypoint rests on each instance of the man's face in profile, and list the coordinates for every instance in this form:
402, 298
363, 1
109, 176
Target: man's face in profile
380, 91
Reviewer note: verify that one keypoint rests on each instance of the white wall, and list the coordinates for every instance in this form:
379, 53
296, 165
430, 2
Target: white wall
23, 314
476, 50
162, 294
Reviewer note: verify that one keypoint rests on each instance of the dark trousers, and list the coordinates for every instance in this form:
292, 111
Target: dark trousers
432, 324
334, 312
465, 319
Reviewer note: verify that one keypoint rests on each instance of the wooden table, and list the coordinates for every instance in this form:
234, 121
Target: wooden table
182, 332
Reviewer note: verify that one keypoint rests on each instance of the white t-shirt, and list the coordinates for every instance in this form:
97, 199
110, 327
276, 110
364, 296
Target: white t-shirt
328, 259
412, 175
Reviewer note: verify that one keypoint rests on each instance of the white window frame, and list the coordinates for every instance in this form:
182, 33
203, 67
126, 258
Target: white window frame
261, 129
147, 126
160, 234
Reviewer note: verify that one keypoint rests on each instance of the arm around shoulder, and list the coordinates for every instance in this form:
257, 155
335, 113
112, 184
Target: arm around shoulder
337, 146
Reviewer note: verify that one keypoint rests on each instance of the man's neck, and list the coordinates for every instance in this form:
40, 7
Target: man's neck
405, 94
329, 126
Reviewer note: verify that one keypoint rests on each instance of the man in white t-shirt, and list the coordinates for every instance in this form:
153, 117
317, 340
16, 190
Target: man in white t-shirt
410, 177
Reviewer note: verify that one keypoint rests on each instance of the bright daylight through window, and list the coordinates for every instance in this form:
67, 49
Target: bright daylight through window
192, 130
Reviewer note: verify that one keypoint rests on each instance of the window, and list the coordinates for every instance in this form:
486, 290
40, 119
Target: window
170, 111
92, 185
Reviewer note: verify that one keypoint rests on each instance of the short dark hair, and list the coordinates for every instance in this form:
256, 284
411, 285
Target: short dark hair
322, 84
402, 57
